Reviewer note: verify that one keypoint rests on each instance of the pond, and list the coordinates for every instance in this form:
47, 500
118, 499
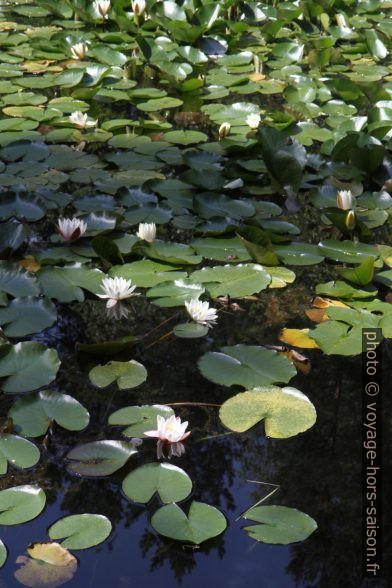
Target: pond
194, 234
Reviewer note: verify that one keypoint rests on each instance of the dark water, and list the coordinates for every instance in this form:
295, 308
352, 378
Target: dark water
318, 472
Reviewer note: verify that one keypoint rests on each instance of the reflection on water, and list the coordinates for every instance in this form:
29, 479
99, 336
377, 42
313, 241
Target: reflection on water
318, 472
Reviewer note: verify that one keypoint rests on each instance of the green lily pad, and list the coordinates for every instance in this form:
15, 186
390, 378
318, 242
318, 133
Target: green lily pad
286, 411
299, 254
147, 273
21, 504
3, 554
127, 374
81, 531
24, 316
28, 366
202, 523
99, 458
170, 482
185, 137
233, 280
347, 251
32, 414
279, 524
16, 281
221, 249
190, 330
139, 418
17, 451
246, 365
175, 293
362, 274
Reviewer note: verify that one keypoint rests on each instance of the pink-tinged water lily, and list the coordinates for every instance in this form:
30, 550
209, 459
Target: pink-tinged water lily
201, 313
116, 289
71, 229
169, 432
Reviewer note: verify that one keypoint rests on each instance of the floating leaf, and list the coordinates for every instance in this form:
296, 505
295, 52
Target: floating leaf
28, 366
279, 524
246, 365
99, 458
286, 411
81, 531
202, 523
362, 274
21, 504
37, 574
298, 338
175, 293
51, 553
235, 281
16, 281
139, 418
127, 374
33, 414
170, 482
18, 452
24, 316
3, 554
190, 330
147, 273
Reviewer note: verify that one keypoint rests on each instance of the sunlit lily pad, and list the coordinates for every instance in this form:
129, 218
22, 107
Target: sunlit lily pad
18, 452
139, 418
127, 374
33, 414
81, 531
285, 411
28, 366
21, 504
279, 524
99, 458
202, 523
170, 482
232, 280
246, 365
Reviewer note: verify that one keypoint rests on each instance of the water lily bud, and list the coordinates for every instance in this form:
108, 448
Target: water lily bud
344, 200
147, 232
350, 220
253, 121
224, 130
102, 7
138, 7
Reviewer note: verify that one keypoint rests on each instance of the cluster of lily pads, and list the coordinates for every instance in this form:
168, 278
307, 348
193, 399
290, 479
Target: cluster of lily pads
173, 148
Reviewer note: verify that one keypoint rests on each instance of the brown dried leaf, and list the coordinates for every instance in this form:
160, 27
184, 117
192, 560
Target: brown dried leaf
38, 574
52, 553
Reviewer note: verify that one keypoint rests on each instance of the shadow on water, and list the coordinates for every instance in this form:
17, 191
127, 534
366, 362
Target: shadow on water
318, 472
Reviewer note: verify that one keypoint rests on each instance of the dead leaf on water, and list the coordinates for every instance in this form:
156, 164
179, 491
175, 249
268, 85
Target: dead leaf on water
38, 574
298, 338
52, 553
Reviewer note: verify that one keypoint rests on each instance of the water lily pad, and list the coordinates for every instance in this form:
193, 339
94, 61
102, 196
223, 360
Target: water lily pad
233, 280
32, 414
127, 374
18, 452
139, 418
347, 251
21, 504
286, 411
190, 330
16, 281
3, 554
185, 137
81, 531
170, 482
175, 293
28, 366
246, 365
51, 553
221, 249
38, 574
99, 458
147, 273
202, 523
24, 316
279, 524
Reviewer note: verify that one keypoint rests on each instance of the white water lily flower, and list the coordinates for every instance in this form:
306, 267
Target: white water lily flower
102, 7
147, 232
224, 130
169, 432
233, 185
80, 120
138, 6
71, 229
253, 121
116, 289
79, 50
344, 199
201, 313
